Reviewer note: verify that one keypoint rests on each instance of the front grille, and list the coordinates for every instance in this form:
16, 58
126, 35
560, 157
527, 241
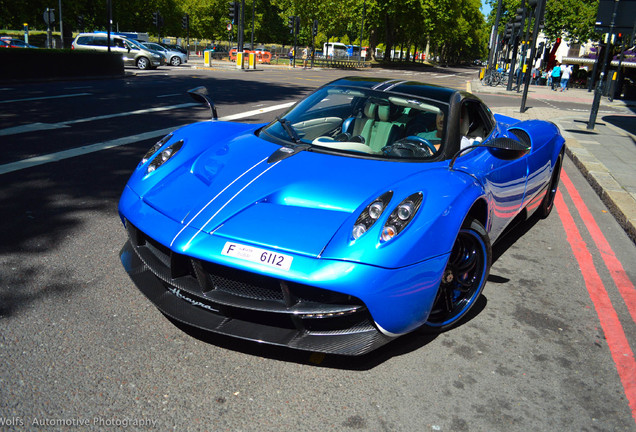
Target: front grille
251, 297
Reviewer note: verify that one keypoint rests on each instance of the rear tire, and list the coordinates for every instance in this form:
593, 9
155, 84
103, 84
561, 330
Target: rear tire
548, 200
464, 277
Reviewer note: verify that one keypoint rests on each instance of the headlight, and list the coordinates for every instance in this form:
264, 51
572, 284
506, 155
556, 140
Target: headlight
370, 214
155, 147
164, 156
401, 216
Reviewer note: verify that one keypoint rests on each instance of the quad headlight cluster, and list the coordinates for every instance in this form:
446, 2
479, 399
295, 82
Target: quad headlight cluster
161, 154
371, 214
396, 222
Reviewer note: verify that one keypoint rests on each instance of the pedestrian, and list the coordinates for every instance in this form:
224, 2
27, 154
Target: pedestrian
566, 72
556, 76
535, 75
290, 54
305, 57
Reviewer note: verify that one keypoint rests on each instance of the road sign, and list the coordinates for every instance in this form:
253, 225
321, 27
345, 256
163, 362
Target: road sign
49, 16
229, 27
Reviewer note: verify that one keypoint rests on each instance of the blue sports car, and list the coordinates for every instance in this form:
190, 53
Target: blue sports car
363, 213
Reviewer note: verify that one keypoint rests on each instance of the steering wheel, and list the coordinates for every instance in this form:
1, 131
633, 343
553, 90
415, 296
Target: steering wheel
417, 146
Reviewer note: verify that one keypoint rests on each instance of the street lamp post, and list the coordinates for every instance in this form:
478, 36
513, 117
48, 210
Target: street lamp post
538, 13
364, 11
599, 87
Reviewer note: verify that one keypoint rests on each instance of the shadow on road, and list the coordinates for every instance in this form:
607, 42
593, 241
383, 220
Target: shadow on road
43, 207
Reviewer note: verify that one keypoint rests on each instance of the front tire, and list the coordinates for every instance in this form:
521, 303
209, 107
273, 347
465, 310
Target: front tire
464, 277
175, 61
143, 63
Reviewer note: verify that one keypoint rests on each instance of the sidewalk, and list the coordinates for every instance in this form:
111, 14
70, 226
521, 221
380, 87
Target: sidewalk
605, 155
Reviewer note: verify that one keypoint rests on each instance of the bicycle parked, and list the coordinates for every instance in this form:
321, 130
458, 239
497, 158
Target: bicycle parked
493, 78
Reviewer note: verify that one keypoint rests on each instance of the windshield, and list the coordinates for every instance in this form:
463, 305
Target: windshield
136, 44
354, 120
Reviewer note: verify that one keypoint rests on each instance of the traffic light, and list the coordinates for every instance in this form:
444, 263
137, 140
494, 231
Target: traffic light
297, 25
233, 11
540, 50
80, 22
155, 19
508, 32
290, 23
315, 28
185, 21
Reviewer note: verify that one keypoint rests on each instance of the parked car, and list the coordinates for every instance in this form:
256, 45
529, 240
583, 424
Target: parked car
174, 47
366, 211
14, 43
172, 57
133, 53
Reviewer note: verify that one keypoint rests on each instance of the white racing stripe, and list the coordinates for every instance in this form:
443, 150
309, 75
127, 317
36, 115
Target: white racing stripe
79, 151
213, 199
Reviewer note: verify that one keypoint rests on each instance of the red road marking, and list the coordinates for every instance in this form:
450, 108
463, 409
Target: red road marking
622, 281
615, 335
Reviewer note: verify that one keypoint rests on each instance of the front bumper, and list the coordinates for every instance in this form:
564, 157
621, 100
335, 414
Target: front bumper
319, 305
231, 315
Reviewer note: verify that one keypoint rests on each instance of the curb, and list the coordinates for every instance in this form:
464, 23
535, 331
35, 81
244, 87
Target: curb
620, 203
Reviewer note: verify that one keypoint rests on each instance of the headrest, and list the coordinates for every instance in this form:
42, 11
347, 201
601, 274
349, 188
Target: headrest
370, 109
384, 113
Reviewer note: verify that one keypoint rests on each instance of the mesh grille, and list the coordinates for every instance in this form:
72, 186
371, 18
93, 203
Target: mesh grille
241, 284
251, 296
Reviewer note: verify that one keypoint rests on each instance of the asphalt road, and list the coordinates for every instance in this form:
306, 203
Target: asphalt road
549, 346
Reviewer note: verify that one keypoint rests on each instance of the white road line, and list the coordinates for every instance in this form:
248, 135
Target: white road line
256, 112
33, 127
142, 111
79, 151
45, 97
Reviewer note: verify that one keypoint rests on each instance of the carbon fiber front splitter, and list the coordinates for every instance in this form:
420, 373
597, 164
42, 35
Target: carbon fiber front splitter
182, 306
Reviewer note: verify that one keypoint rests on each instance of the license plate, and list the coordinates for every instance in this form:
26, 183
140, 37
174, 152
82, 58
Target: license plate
257, 255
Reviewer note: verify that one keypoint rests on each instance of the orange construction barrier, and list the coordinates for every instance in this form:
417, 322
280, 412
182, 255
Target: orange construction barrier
264, 57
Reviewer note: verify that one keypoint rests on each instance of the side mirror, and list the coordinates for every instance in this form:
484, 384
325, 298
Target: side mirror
200, 94
502, 148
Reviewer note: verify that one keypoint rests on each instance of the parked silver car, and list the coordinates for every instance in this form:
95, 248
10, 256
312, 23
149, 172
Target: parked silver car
172, 57
133, 53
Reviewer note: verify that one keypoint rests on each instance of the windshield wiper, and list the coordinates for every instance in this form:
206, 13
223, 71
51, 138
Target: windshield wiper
289, 129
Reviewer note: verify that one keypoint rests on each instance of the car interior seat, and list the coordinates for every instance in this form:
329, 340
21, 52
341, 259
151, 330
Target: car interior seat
383, 131
354, 126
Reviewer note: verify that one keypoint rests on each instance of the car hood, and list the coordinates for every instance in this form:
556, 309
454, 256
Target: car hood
296, 204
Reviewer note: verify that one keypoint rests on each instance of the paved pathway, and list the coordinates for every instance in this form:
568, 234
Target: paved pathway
606, 155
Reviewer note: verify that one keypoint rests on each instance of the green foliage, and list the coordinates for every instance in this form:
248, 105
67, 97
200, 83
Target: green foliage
570, 19
455, 29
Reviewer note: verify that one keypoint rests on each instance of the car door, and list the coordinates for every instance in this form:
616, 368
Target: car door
118, 46
504, 180
130, 54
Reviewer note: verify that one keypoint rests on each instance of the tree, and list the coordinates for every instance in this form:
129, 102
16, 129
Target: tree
570, 19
